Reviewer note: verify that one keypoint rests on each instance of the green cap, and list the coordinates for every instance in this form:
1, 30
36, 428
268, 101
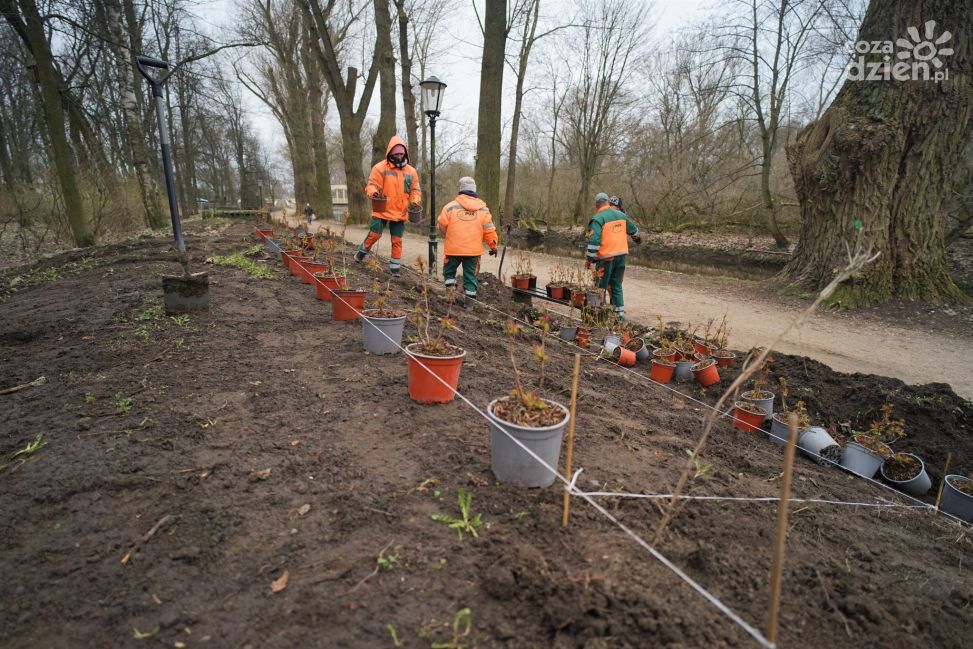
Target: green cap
601, 197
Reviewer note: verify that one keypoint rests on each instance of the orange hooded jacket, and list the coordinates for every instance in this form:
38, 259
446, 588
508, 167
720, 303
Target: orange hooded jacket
400, 186
467, 223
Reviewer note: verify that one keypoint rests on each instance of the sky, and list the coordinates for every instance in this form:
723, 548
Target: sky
458, 66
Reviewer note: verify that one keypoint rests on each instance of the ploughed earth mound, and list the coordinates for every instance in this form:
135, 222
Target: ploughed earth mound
248, 476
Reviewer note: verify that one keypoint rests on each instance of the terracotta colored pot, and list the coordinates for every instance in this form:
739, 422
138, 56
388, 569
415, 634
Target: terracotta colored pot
263, 233
424, 387
294, 263
706, 373
663, 355
556, 292
521, 281
749, 421
725, 361
582, 338
347, 305
307, 269
661, 371
577, 298
701, 347
285, 257
624, 357
324, 286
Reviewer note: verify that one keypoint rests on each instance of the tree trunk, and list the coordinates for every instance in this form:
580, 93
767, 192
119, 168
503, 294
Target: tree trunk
385, 59
530, 29
885, 153
491, 93
408, 97
770, 206
6, 169
352, 153
31, 31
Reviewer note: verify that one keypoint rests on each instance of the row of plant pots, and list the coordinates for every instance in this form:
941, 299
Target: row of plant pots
434, 377
862, 456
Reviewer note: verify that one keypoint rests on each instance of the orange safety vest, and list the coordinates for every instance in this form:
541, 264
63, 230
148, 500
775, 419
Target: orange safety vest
400, 186
467, 223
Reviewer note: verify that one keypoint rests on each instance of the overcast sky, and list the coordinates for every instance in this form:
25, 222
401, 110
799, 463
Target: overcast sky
458, 66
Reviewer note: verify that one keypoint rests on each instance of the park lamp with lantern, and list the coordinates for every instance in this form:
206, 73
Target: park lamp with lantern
432, 99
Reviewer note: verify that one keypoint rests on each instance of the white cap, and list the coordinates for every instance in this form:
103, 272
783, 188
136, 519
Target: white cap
467, 184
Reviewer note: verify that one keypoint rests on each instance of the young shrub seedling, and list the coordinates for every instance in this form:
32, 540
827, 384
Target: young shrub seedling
433, 343
124, 403
468, 523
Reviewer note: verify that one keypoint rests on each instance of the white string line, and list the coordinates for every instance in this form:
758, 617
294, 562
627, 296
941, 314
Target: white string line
607, 494
819, 458
726, 610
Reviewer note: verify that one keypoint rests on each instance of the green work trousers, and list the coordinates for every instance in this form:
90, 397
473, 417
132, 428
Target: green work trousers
471, 265
614, 273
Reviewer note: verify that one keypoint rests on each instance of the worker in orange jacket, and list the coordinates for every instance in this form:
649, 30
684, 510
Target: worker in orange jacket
608, 232
466, 224
398, 181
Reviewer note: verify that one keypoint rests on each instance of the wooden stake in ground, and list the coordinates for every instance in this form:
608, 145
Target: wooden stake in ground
785, 494
939, 494
567, 460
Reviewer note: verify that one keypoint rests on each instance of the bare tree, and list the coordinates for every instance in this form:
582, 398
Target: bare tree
488, 131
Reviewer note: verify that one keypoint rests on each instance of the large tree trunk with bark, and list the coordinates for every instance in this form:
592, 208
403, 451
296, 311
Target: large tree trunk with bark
885, 154
385, 58
408, 96
491, 93
31, 31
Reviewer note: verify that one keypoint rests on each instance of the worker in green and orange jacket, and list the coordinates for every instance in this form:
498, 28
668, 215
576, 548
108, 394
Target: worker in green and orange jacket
398, 181
608, 232
466, 224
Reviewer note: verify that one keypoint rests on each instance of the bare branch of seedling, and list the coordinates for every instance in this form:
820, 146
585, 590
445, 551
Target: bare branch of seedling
468, 523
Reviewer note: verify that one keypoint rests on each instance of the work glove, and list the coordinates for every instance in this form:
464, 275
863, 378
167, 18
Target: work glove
637, 238
493, 252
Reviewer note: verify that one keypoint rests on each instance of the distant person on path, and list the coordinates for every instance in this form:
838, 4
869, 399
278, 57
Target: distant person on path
393, 185
309, 213
608, 232
466, 224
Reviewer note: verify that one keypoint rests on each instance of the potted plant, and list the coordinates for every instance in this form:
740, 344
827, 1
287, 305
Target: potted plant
780, 422
886, 429
760, 396
332, 279
523, 277
594, 296
637, 345
865, 453
662, 370
382, 325
524, 416
957, 496
906, 471
433, 364
705, 372
748, 416
557, 287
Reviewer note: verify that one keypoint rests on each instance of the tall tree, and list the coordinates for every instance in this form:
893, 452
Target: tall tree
488, 133
328, 32
28, 24
385, 59
408, 96
885, 154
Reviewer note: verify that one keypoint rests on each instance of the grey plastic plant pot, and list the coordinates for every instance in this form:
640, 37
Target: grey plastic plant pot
510, 463
781, 430
684, 371
643, 353
956, 502
814, 440
569, 333
917, 486
860, 461
377, 331
767, 404
612, 339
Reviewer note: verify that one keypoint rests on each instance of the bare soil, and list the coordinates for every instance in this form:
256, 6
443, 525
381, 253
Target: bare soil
257, 441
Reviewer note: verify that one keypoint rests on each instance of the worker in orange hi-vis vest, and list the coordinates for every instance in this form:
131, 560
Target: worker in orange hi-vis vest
393, 185
607, 235
466, 224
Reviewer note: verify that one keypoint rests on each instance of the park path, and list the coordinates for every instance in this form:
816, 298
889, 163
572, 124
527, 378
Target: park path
845, 341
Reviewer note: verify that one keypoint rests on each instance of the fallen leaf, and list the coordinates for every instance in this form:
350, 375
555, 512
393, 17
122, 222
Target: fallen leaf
155, 598
327, 412
303, 509
87, 338
128, 555
263, 474
204, 475
179, 644
295, 442
279, 584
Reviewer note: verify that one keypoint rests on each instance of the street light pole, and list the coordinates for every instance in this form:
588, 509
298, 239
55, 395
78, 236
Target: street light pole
432, 97
432, 194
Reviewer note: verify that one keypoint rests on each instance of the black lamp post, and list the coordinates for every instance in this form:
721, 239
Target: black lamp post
432, 98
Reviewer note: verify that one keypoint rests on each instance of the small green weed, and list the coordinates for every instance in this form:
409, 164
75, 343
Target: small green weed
468, 523
461, 628
124, 403
28, 453
239, 260
144, 332
152, 313
395, 636
701, 469
145, 635
181, 320
387, 562
89, 397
